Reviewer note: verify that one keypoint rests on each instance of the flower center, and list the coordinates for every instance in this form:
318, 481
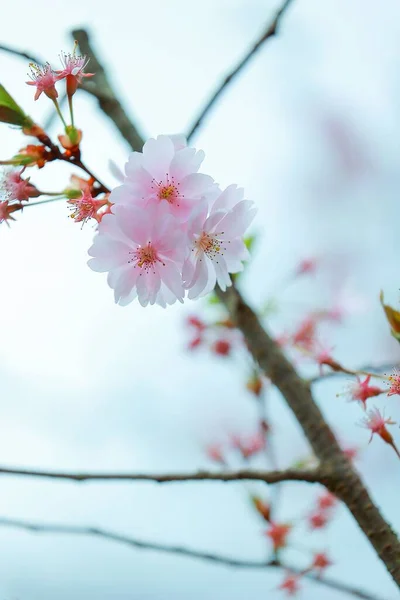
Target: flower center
209, 244
145, 257
167, 190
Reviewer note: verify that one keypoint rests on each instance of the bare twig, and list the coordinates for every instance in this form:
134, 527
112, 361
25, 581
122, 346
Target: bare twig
181, 551
22, 54
308, 475
365, 369
268, 33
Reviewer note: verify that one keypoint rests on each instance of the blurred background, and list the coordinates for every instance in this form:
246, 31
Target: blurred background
311, 130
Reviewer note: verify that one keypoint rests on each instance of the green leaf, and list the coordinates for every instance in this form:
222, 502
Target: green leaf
10, 112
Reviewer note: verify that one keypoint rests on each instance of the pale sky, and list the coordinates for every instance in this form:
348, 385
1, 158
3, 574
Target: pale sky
311, 130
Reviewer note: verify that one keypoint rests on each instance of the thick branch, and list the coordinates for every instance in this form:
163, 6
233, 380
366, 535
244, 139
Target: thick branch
100, 87
344, 480
310, 475
268, 33
179, 550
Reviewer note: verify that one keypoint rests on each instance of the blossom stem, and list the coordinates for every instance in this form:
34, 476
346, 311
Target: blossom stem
53, 199
71, 109
59, 112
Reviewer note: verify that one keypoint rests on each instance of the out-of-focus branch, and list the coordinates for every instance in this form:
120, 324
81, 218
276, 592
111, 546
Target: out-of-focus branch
100, 87
181, 551
345, 481
21, 54
307, 475
267, 34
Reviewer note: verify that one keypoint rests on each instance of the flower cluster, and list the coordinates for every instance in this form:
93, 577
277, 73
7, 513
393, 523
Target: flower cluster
45, 78
14, 190
172, 231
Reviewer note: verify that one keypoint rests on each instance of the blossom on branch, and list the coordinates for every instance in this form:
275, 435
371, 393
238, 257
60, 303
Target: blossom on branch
394, 383
375, 421
86, 207
6, 211
143, 252
216, 242
73, 70
290, 584
278, 534
360, 391
165, 239
14, 187
44, 79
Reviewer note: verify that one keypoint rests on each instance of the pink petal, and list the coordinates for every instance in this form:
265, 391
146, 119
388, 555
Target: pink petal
185, 162
200, 278
221, 271
235, 223
157, 156
135, 223
228, 198
173, 280
196, 185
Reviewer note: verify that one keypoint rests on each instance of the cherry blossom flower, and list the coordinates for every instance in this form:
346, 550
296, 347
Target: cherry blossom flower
195, 342
326, 501
215, 453
306, 266
73, 70
304, 336
15, 187
33, 155
375, 421
360, 391
217, 247
318, 520
143, 252
196, 323
394, 383
165, 173
278, 534
320, 562
44, 79
77, 186
290, 584
86, 207
221, 347
6, 211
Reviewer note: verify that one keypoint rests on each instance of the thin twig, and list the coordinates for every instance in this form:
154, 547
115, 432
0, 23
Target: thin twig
364, 370
181, 551
269, 32
22, 54
308, 475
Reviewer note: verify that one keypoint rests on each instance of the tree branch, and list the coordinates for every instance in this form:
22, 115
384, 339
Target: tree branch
181, 551
269, 32
344, 480
100, 87
307, 475
370, 369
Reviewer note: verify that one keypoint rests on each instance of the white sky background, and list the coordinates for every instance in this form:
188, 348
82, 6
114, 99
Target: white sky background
311, 129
